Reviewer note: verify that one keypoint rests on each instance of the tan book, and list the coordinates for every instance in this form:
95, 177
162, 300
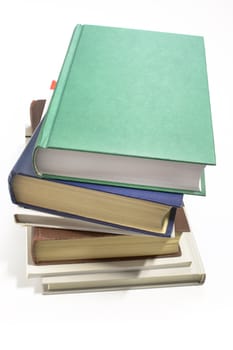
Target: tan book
58, 245
54, 245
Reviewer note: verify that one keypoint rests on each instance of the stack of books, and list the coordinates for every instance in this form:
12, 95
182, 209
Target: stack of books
100, 184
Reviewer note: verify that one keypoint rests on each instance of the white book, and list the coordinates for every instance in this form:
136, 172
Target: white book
157, 275
30, 217
122, 281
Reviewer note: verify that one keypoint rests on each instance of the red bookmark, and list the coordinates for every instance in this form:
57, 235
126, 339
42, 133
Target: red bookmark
53, 85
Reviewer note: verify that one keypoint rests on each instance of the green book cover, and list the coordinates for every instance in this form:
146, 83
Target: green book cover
134, 93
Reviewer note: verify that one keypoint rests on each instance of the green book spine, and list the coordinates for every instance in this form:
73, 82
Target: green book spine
48, 123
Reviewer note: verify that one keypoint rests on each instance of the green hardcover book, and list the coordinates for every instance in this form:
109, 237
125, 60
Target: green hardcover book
131, 108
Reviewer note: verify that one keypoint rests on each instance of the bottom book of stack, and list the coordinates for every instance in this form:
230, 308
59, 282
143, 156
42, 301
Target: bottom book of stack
183, 269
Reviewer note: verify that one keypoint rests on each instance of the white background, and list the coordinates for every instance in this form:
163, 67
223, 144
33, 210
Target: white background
34, 36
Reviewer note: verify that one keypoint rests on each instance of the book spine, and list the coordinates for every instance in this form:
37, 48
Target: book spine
44, 135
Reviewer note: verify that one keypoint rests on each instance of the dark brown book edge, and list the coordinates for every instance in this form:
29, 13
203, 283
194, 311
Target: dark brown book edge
36, 111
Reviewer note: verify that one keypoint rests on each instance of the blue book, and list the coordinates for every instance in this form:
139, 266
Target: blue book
139, 211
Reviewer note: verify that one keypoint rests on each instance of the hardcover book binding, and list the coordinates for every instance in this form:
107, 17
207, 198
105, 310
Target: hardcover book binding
130, 108
50, 246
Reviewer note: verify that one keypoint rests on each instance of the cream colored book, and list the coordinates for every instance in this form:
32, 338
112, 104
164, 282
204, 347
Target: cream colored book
30, 217
156, 274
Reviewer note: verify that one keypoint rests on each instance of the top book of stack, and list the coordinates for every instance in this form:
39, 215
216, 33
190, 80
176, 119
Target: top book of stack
130, 108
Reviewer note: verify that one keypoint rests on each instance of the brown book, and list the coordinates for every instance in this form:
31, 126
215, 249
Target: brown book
53, 245
36, 111
181, 221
